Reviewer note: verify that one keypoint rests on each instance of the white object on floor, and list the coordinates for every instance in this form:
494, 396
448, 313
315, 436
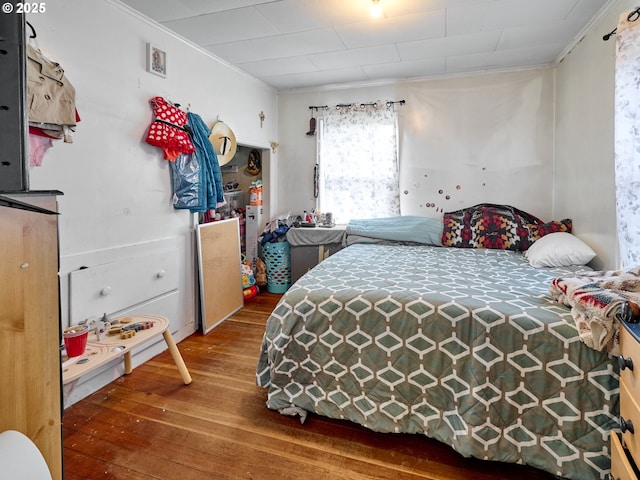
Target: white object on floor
20, 459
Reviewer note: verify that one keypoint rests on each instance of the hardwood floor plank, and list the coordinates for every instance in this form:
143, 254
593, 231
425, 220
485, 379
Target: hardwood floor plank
149, 425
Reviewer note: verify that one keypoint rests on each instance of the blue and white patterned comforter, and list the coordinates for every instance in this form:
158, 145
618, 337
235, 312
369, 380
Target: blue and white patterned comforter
462, 345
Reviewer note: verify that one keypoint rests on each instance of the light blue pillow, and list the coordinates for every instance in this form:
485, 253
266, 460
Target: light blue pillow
407, 228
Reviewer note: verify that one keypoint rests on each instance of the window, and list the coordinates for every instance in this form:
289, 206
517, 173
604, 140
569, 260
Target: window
358, 164
627, 138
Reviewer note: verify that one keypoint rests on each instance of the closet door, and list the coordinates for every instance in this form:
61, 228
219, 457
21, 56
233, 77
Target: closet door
30, 327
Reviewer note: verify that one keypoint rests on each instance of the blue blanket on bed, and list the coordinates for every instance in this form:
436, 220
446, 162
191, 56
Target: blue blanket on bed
408, 228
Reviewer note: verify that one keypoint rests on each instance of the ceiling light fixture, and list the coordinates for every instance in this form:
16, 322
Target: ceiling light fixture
376, 9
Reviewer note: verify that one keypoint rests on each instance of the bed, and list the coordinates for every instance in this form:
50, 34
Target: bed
463, 345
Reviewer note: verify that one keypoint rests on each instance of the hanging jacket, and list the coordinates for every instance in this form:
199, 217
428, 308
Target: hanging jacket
186, 184
168, 131
210, 176
51, 98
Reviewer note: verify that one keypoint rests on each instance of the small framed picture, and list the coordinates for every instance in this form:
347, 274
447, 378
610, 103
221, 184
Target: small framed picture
156, 60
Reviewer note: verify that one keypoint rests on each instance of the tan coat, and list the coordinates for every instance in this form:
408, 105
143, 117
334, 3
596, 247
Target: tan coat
50, 95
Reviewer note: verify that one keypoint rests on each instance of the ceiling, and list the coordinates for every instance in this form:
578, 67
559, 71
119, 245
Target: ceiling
296, 44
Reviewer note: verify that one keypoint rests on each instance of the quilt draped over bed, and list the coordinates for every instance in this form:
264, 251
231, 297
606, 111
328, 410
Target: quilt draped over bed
462, 345
596, 300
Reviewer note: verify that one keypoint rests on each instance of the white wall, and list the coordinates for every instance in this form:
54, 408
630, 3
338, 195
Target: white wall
464, 140
584, 172
479, 139
117, 192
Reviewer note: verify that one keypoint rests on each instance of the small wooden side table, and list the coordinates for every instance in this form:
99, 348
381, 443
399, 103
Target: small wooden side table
111, 347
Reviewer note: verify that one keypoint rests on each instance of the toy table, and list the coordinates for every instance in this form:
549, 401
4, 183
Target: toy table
111, 347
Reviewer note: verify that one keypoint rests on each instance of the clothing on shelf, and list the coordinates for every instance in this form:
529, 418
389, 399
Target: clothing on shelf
51, 97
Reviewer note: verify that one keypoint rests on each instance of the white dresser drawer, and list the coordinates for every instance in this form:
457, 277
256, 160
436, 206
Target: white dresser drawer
113, 287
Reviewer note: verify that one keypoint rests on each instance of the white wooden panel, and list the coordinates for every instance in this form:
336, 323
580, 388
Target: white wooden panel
115, 286
220, 276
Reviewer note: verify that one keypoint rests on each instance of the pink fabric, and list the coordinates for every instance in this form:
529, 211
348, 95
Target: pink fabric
38, 146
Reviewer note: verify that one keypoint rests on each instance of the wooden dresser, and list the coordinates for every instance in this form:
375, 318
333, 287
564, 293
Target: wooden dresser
30, 323
625, 445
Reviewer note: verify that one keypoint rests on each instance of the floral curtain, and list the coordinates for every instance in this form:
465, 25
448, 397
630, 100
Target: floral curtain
627, 139
358, 157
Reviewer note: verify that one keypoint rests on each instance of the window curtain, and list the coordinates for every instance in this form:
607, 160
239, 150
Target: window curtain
358, 157
627, 140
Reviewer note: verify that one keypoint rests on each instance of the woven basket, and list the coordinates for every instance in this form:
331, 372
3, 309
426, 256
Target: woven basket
277, 257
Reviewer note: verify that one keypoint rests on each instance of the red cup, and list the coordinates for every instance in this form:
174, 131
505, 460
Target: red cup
75, 340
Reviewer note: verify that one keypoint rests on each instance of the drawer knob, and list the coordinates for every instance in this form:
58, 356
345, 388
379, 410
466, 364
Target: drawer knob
630, 312
626, 426
625, 363
105, 291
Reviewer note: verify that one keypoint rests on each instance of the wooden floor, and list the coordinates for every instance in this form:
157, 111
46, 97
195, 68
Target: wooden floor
148, 425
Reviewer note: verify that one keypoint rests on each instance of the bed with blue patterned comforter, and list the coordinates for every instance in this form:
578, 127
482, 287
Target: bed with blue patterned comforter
462, 345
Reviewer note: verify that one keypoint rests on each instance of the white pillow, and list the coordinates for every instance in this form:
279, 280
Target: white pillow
559, 249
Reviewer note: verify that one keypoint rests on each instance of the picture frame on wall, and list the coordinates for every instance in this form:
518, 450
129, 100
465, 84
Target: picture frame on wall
156, 60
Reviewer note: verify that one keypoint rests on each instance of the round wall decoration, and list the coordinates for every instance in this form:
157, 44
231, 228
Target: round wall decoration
254, 163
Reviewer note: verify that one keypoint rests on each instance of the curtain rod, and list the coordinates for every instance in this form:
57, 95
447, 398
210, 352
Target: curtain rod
632, 17
388, 104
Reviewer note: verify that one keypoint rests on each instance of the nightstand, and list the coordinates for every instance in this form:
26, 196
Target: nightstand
625, 445
309, 246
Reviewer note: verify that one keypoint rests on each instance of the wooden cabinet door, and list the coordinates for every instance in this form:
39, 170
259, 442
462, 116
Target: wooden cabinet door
30, 328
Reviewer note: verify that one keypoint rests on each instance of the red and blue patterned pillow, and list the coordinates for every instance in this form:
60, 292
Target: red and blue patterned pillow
503, 227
